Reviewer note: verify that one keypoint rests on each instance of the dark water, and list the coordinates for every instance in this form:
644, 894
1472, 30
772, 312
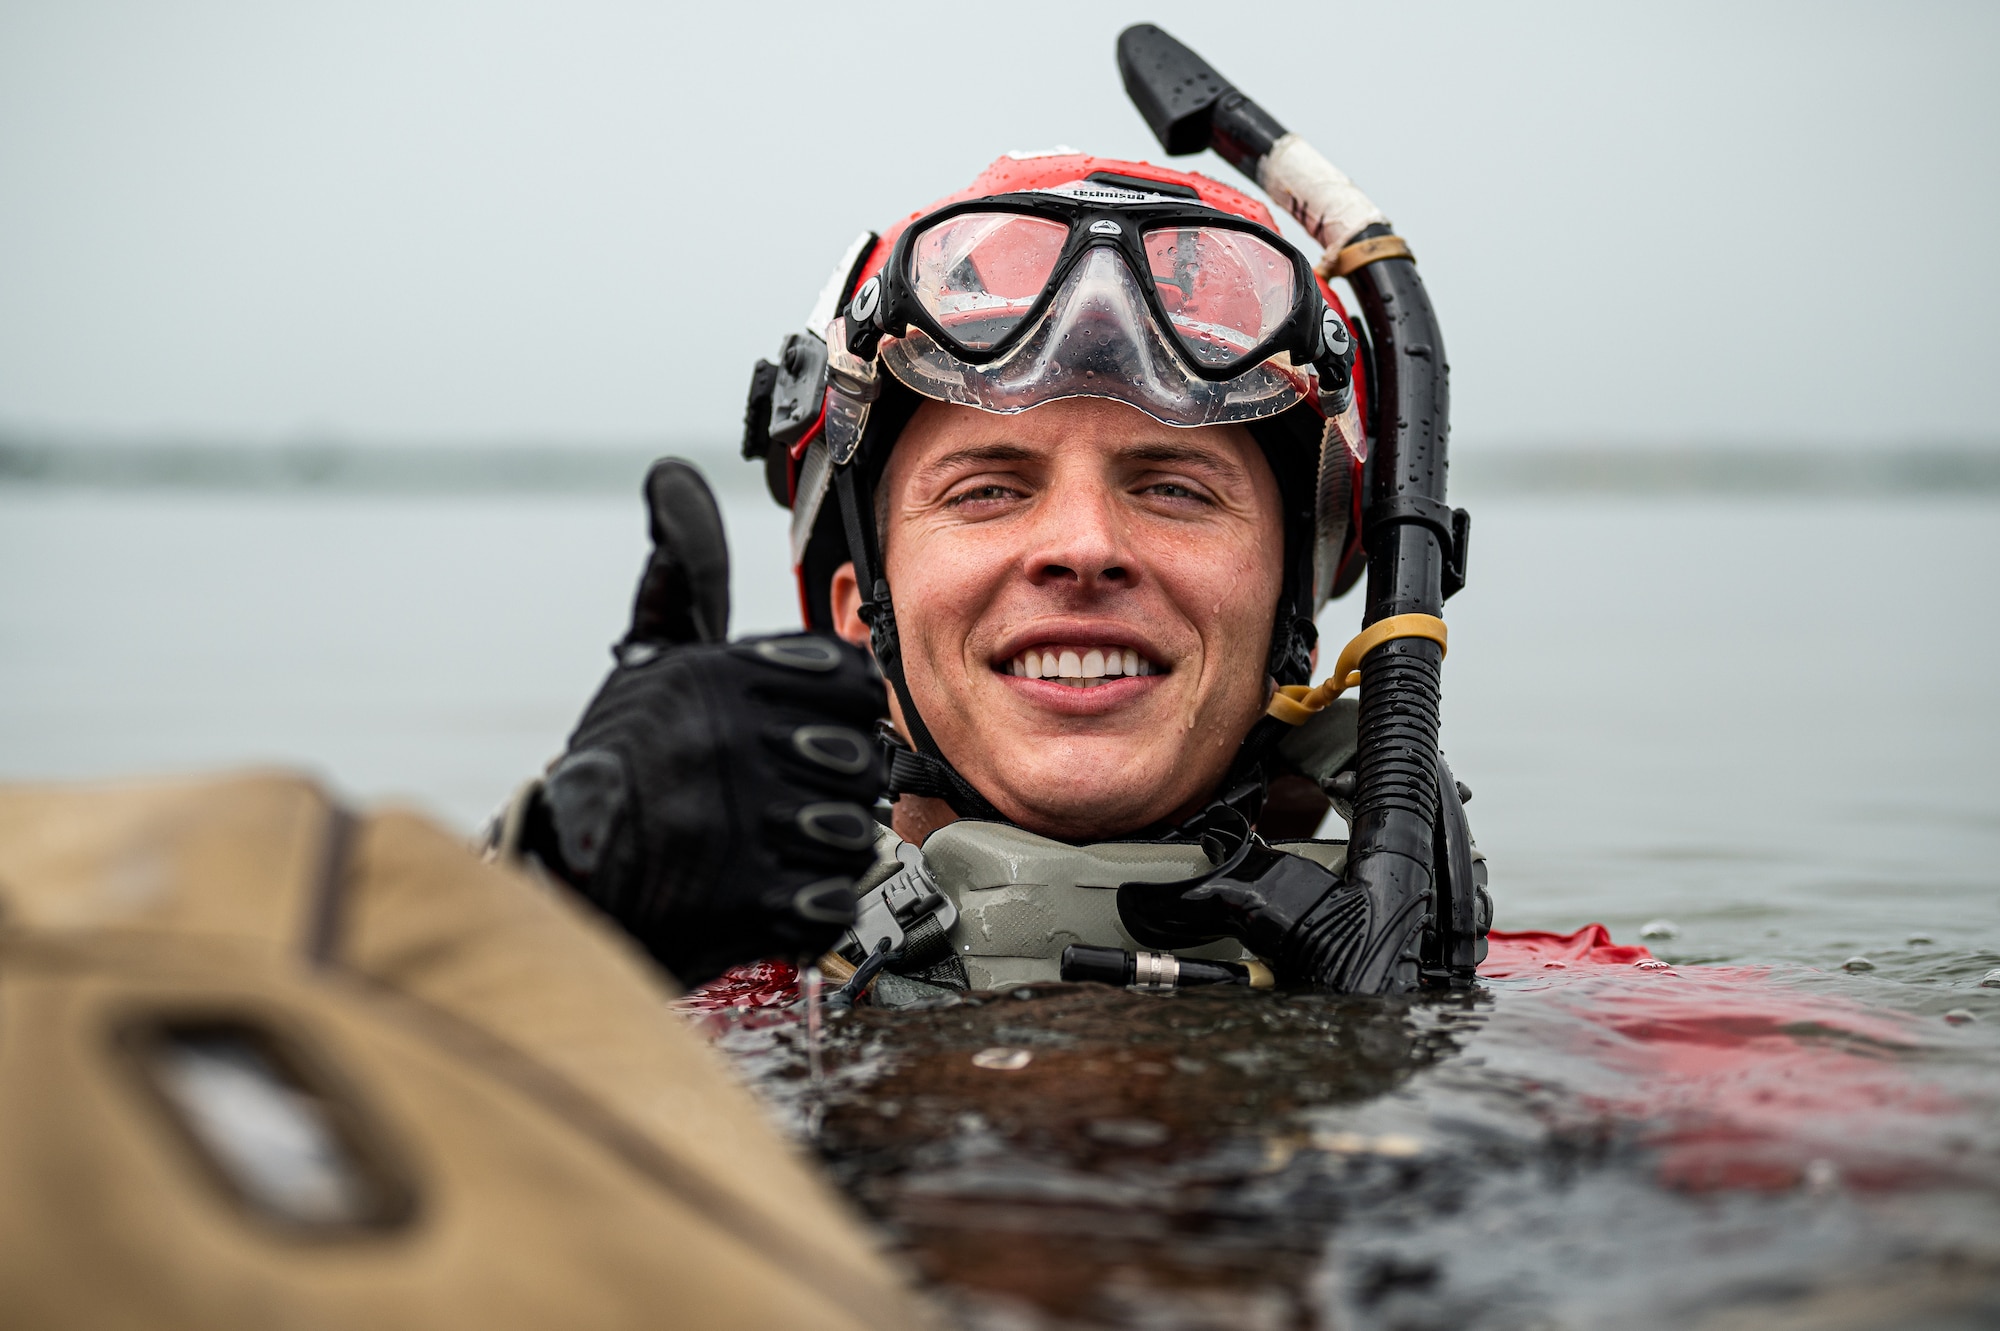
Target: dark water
1771, 722
1072, 1156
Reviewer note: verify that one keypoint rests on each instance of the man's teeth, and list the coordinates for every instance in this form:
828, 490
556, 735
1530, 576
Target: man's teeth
1083, 667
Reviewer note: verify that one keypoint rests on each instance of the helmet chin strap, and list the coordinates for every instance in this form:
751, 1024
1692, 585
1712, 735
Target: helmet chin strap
920, 770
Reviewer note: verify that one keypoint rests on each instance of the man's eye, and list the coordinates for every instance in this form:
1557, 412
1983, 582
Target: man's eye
982, 492
1175, 490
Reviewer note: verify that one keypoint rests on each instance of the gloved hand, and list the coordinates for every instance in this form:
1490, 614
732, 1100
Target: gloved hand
715, 797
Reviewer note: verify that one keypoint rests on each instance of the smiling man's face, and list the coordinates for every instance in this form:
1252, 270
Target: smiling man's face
1084, 598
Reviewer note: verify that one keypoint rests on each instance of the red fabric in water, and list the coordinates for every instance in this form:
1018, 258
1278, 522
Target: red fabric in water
759, 984
1740, 1077
1512, 952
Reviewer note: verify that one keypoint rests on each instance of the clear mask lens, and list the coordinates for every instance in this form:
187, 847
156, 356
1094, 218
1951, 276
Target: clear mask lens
978, 274
1098, 338
1225, 292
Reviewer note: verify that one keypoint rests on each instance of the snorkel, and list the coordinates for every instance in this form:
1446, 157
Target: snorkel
1408, 914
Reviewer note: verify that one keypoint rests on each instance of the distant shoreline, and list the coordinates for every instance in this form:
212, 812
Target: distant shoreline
546, 469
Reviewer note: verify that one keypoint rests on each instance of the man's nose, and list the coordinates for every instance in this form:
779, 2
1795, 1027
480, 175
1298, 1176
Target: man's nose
1080, 539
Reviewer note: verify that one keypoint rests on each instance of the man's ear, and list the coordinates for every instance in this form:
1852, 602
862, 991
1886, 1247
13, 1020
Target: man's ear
845, 594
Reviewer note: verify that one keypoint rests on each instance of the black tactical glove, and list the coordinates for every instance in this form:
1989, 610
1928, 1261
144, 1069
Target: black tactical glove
715, 798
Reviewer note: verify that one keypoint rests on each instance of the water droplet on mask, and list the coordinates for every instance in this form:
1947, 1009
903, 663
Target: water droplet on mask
1960, 1016
1857, 964
1659, 929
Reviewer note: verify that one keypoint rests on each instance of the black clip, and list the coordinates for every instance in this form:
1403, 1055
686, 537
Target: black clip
757, 412
1451, 526
798, 389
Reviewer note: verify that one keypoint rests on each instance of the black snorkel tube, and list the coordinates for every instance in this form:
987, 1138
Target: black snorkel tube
1407, 913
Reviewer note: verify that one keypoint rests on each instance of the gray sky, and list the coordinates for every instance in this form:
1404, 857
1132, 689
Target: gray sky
429, 221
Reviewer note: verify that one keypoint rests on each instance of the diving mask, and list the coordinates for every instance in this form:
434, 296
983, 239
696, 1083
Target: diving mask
1193, 315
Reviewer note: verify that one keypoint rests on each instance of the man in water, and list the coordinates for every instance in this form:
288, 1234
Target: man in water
1072, 460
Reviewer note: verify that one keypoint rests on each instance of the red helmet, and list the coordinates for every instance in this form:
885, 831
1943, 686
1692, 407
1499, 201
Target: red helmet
1060, 275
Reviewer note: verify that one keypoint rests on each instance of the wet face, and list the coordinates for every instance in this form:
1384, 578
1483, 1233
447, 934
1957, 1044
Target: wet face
1085, 599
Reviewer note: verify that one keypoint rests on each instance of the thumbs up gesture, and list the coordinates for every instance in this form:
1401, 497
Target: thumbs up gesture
715, 797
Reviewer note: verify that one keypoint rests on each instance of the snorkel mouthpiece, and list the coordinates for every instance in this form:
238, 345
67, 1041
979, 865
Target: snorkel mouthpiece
1189, 107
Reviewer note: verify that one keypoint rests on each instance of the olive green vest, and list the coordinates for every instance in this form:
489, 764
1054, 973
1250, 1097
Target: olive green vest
1021, 898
